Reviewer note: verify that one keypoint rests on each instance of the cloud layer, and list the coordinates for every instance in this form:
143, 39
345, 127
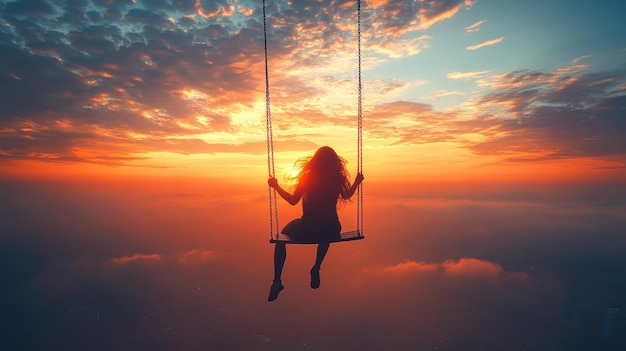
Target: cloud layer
117, 82
523, 116
156, 265
469, 268
95, 81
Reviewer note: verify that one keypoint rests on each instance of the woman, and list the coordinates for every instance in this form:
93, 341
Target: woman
322, 181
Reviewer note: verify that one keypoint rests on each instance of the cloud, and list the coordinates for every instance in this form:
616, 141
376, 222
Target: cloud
124, 78
467, 75
557, 115
108, 79
474, 27
468, 268
196, 256
394, 18
520, 116
409, 267
401, 47
443, 93
136, 258
472, 268
428, 18
404, 122
485, 43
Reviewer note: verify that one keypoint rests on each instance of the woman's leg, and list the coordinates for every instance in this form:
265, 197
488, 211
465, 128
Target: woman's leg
322, 249
280, 255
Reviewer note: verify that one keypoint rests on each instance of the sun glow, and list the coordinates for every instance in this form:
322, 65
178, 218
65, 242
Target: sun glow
291, 173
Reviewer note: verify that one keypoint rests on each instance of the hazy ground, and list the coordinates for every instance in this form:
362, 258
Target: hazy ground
179, 265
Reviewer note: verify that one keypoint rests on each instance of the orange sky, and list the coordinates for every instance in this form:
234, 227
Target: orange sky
421, 164
438, 103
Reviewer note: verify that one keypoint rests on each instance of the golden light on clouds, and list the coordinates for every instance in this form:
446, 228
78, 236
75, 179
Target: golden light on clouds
426, 21
485, 44
474, 27
466, 268
190, 99
467, 75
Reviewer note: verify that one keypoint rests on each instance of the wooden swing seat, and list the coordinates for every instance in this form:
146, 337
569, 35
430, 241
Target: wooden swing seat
345, 236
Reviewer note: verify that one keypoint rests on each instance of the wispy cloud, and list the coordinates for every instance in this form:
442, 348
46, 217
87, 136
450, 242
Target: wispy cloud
195, 256
485, 44
471, 268
396, 18
474, 27
443, 93
467, 75
136, 258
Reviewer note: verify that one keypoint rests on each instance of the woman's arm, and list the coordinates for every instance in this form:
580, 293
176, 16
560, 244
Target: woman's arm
359, 178
292, 199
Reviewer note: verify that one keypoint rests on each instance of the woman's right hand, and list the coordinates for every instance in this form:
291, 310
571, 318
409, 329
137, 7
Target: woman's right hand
273, 182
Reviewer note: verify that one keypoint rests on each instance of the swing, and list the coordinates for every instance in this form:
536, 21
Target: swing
275, 235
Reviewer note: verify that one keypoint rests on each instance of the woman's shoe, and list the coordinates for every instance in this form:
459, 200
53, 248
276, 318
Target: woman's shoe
275, 289
315, 278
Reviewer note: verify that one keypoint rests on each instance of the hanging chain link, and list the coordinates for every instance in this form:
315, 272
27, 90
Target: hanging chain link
273, 204
359, 214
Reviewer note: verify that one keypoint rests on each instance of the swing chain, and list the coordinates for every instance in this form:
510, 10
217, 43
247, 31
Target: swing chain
359, 125
273, 203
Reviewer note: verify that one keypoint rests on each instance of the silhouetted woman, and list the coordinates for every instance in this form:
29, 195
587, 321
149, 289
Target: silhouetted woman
321, 182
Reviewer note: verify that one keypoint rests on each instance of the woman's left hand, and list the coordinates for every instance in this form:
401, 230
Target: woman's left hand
273, 182
359, 178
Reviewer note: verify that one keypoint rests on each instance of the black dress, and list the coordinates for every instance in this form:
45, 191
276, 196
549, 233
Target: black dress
319, 222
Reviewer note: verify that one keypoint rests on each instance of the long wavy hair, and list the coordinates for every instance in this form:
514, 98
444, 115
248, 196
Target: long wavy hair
324, 172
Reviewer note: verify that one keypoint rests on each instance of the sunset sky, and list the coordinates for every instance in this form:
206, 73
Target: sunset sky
133, 166
479, 90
